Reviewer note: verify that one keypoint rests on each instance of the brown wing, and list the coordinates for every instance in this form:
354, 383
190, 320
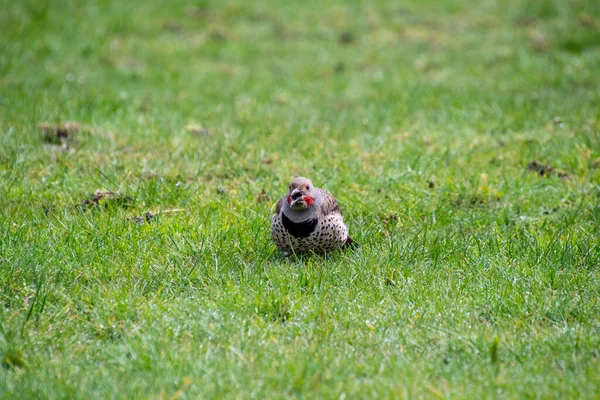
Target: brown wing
329, 206
279, 205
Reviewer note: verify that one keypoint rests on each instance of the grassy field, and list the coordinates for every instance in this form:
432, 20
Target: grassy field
462, 140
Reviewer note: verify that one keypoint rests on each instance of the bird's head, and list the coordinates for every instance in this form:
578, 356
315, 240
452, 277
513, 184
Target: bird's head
301, 194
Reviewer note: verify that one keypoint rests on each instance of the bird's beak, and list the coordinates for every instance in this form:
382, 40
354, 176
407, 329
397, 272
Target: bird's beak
296, 194
297, 199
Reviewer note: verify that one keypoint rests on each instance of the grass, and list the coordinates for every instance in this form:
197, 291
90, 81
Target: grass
476, 277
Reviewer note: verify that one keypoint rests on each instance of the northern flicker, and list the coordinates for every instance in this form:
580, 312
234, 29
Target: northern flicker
308, 219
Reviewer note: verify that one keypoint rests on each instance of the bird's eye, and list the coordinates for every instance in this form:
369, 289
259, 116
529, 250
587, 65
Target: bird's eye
307, 187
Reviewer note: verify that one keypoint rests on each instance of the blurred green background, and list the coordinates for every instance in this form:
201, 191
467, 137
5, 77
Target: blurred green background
478, 271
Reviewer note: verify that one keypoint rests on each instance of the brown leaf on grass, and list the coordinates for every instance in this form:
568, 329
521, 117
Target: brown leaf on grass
263, 197
148, 217
145, 218
477, 200
472, 200
587, 20
546, 170
61, 133
197, 130
104, 197
539, 41
172, 26
218, 36
389, 218
346, 38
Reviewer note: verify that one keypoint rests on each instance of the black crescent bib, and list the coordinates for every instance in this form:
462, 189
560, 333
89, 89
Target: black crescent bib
299, 229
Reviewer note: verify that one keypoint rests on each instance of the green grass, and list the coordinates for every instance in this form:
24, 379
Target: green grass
476, 277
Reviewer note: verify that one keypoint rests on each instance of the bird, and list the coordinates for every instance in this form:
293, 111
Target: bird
308, 219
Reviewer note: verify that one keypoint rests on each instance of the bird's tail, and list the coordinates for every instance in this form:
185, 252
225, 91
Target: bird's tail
350, 243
